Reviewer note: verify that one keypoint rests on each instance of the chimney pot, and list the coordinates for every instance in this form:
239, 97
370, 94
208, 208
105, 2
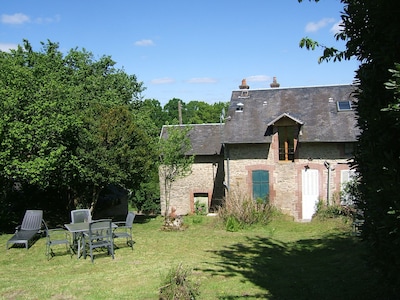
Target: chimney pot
244, 85
274, 83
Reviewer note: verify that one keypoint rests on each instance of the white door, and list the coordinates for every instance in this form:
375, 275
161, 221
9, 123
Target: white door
310, 192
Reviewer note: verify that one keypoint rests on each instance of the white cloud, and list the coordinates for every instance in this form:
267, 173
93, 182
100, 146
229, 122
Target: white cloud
202, 80
144, 43
54, 19
258, 78
6, 47
17, 18
315, 26
164, 80
337, 27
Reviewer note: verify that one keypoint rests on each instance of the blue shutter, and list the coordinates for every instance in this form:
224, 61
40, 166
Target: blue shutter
260, 180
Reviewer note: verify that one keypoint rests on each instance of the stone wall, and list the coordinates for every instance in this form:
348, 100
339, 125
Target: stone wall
285, 184
205, 178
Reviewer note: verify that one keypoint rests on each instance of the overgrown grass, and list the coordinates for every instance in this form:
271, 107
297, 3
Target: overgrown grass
280, 260
240, 211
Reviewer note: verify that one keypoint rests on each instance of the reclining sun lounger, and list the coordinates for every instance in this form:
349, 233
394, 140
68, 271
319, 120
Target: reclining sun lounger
30, 226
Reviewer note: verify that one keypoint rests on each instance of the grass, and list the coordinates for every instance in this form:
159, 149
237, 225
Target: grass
281, 260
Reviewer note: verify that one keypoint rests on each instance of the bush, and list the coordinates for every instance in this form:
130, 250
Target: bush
200, 208
178, 286
325, 211
239, 211
232, 224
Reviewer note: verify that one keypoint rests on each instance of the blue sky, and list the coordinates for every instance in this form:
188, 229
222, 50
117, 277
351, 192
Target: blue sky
189, 49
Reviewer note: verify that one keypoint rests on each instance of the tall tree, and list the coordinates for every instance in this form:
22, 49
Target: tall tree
69, 122
371, 30
171, 109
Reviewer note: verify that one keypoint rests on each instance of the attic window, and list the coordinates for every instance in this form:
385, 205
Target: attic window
344, 105
239, 107
244, 94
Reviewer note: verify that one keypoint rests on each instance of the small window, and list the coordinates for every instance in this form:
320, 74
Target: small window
343, 105
244, 94
239, 106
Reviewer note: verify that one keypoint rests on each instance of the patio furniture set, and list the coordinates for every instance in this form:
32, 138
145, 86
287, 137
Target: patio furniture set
82, 235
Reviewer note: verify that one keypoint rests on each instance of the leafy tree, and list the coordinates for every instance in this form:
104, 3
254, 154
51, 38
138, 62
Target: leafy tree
174, 162
153, 108
115, 148
194, 112
171, 109
70, 123
372, 33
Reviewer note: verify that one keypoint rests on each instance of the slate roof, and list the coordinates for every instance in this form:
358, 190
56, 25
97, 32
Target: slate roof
205, 138
313, 108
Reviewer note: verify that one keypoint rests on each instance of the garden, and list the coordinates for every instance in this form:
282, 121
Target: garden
282, 259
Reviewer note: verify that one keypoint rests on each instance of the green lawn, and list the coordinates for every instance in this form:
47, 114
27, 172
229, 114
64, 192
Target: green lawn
283, 260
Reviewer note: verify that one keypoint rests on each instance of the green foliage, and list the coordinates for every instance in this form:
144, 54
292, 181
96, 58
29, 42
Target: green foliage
369, 29
240, 210
69, 123
232, 224
194, 112
178, 285
325, 211
146, 199
174, 161
200, 208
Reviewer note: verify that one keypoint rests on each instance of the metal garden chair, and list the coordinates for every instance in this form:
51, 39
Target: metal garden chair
100, 235
124, 229
56, 236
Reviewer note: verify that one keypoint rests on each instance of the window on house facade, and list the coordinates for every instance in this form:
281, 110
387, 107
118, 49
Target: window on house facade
260, 181
344, 105
346, 177
287, 136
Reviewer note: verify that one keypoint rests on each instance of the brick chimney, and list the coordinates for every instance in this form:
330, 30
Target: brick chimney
244, 85
274, 83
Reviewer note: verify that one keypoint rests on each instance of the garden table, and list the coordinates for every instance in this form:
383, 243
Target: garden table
79, 229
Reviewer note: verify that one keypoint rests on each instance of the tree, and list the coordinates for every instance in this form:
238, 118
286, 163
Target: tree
116, 148
372, 34
174, 161
153, 108
69, 123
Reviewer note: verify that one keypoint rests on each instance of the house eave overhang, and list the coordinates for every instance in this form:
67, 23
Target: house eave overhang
285, 115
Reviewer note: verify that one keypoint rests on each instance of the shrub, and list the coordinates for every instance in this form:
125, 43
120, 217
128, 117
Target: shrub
240, 210
200, 208
232, 224
178, 286
324, 211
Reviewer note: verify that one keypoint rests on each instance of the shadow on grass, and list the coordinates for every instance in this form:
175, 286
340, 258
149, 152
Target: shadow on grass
327, 268
142, 219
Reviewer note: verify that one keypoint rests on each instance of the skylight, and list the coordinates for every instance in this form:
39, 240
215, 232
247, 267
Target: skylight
344, 105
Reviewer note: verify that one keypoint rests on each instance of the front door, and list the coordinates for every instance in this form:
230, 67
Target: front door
310, 192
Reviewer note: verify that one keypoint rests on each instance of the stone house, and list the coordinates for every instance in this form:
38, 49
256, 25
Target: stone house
288, 146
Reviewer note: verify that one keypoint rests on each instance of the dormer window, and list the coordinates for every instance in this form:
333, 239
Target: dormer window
244, 94
344, 105
239, 107
288, 129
